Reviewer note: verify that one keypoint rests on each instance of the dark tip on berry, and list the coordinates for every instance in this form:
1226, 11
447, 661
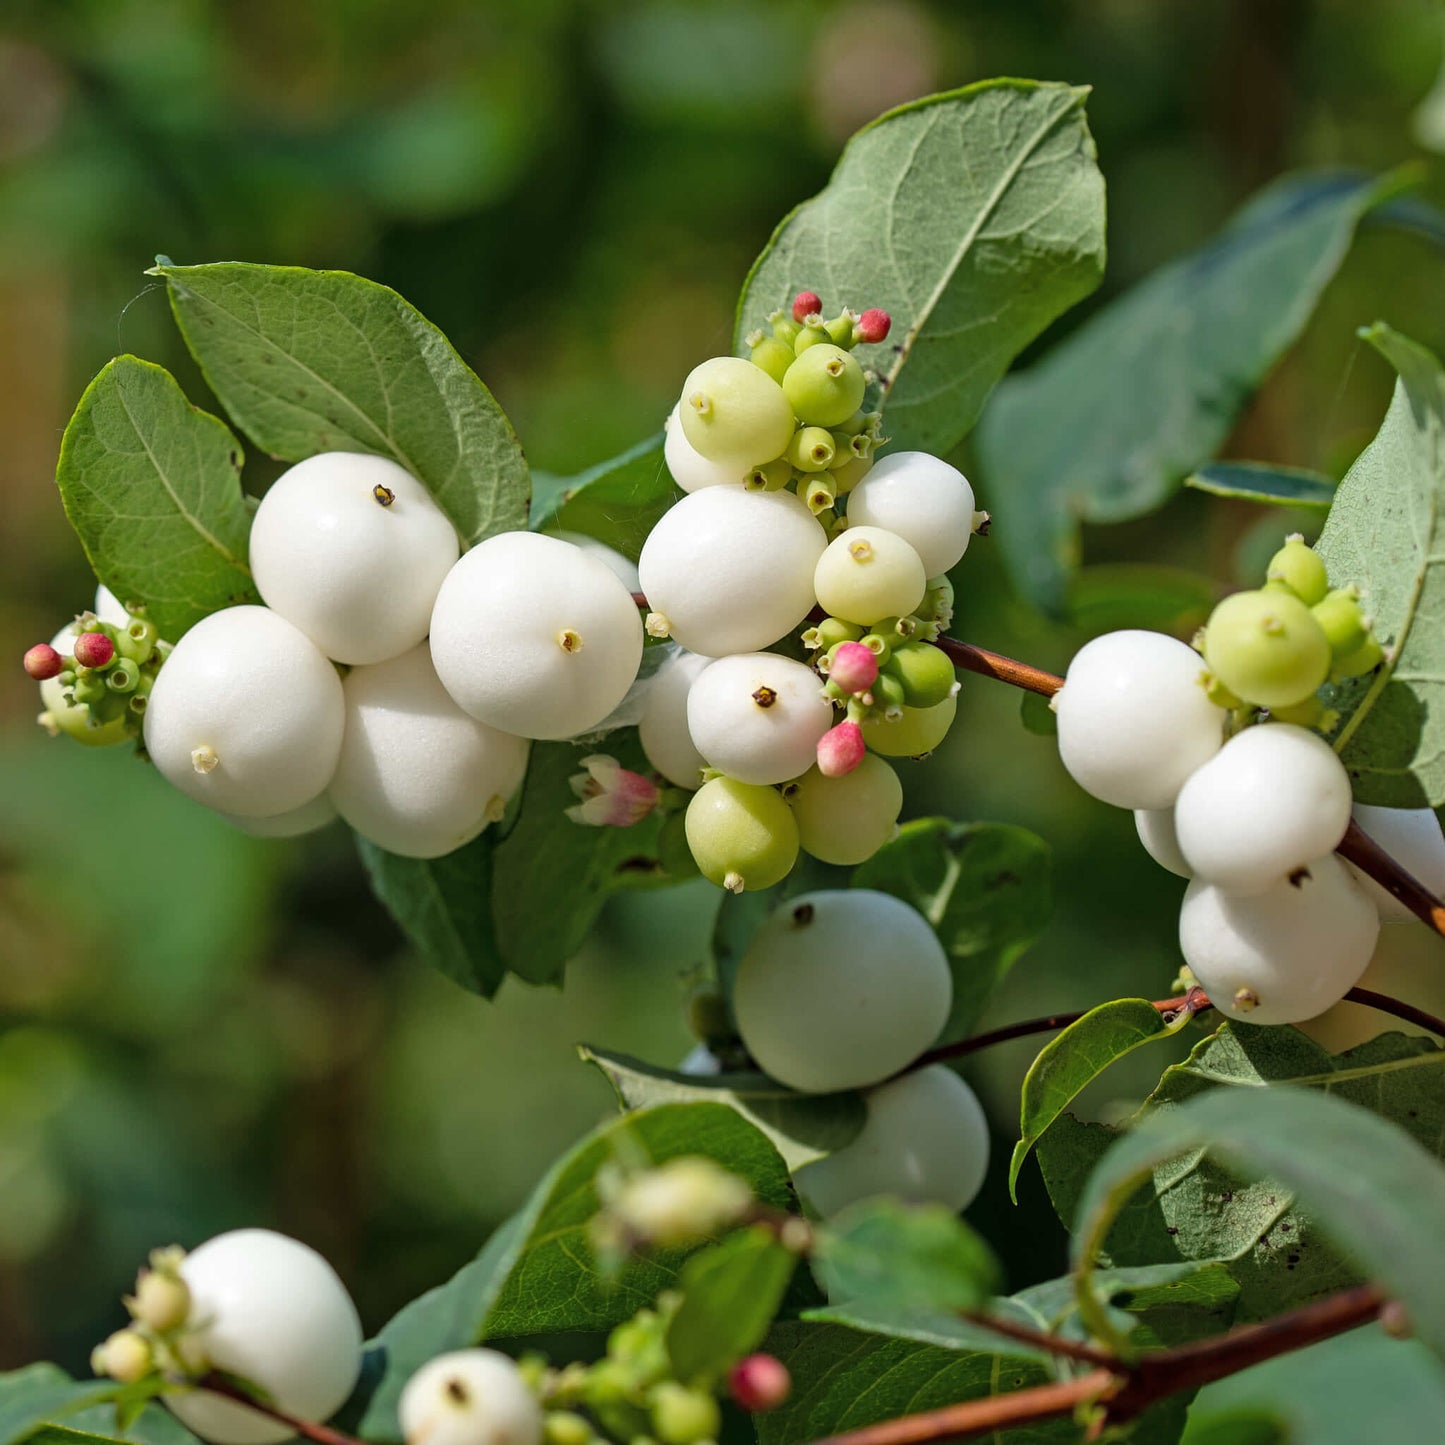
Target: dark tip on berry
1299, 877
457, 1391
805, 304
803, 914
384, 495
765, 696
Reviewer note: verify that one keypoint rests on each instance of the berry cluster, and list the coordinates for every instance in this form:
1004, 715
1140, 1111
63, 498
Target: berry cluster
1233, 790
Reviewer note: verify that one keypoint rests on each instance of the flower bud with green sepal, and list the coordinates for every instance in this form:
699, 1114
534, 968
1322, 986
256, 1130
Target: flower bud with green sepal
1300, 568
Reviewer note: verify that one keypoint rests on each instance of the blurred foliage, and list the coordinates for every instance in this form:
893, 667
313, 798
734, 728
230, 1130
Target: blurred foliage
199, 1030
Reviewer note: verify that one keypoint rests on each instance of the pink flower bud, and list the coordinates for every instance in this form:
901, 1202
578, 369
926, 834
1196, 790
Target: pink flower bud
806, 303
612, 797
760, 1382
853, 667
43, 661
873, 325
840, 750
93, 649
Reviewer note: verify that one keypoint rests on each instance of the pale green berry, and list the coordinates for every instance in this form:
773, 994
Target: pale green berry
824, 385
681, 1416
774, 356
1365, 658
733, 412
1267, 648
925, 671
811, 449
1342, 621
742, 835
917, 732
684, 1199
1301, 569
846, 820
848, 474
867, 574
125, 1357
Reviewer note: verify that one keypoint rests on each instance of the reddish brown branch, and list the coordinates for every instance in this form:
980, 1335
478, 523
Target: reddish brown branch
996, 665
218, 1384
1085, 1354
1401, 1010
1367, 855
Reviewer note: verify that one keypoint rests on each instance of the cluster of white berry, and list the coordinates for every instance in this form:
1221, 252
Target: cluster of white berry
1232, 790
845, 989
787, 517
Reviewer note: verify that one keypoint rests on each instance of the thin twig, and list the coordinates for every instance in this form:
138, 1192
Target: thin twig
1360, 849
1055, 1344
996, 665
218, 1384
1401, 1010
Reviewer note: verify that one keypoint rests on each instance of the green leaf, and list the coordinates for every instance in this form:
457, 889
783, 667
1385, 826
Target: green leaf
1037, 716
1140, 594
152, 487
537, 1275
1274, 1249
1073, 1059
1265, 482
320, 361
985, 887
40, 1394
731, 1291
1108, 424
802, 1127
893, 1256
973, 218
1386, 532
618, 502
1367, 1183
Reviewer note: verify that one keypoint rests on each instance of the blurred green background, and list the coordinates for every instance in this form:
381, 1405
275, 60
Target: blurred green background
198, 1030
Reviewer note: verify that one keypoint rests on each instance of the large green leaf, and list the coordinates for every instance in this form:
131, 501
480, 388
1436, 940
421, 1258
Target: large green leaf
318, 361
974, 218
152, 487
1386, 532
1110, 422
985, 887
1277, 486
1365, 1181
618, 501
40, 1393
1074, 1058
537, 1274
802, 1127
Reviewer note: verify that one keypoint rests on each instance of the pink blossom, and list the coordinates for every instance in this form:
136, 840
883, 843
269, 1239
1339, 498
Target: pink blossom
612, 796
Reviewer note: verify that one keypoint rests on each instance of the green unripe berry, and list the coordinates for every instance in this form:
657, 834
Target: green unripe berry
774, 356
122, 675
830, 632
735, 414
1306, 714
842, 330
867, 574
681, 1416
888, 692
565, 1427
847, 820
137, 639
708, 1016
917, 732
1301, 569
784, 327
770, 477
811, 333
824, 386
640, 1344
1366, 658
1342, 621
811, 449
1267, 648
742, 835
819, 493
855, 423
926, 674
880, 644
847, 475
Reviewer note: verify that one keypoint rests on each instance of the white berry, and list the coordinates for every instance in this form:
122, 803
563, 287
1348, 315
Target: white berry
305, 819
535, 637
690, 469
840, 989
924, 1141
621, 566
924, 500
1155, 827
417, 776
1272, 799
1284, 954
867, 574
662, 729
732, 570
757, 717
109, 607
1412, 837
246, 715
1134, 721
271, 1310
469, 1397
352, 549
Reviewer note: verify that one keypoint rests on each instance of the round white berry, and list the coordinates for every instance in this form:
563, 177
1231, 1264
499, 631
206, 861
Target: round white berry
271, 1310
840, 989
305, 819
352, 549
1155, 827
690, 469
732, 570
1284, 954
246, 715
867, 574
1134, 721
924, 500
469, 1397
109, 608
1272, 799
534, 637
417, 776
757, 717
621, 566
924, 1141
1412, 837
662, 729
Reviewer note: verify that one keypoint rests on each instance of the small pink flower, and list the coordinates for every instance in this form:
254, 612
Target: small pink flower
760, 1382
805, 304
612, 797
840, 750
873, 325
43, 661
853, 667
94, 649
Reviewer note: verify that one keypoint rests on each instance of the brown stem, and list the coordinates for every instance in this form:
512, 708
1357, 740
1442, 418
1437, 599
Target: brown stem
996, 665
219, 1384
1401, 1010
1054, 1344
1359, 848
